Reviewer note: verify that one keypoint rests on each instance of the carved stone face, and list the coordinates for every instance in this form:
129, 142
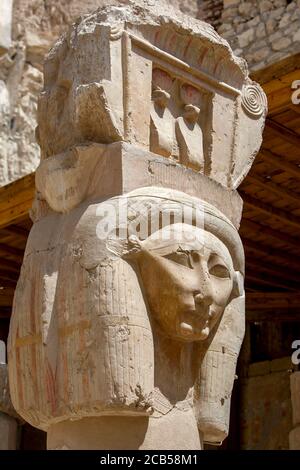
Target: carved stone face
187, 275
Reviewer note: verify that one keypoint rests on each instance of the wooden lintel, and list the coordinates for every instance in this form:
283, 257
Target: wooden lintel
16, 200
278, 74
279, 90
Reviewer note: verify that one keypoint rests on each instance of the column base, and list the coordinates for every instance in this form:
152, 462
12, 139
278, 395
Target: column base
175, 431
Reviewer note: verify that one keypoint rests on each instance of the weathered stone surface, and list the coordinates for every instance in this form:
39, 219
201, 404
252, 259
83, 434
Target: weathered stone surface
296, 36
2, 352
40, 23
170, 132
281, 43
265, 5
261, 54
246, 38
271, 17
295, 392
119, 168
294, 438
261, 31
271, 25
247, 9
5, 401
266, 405
5, 25
19, 153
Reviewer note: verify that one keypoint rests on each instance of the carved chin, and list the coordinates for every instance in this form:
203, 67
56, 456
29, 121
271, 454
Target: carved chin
189, 333
197, 329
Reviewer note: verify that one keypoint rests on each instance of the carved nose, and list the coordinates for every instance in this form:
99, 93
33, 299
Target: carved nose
204, 299
203, 295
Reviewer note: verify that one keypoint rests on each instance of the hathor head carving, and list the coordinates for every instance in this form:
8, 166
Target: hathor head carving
143, 298
188, 273
196, 279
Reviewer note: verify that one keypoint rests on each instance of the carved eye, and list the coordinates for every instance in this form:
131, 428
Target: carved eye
219, 270
180, 257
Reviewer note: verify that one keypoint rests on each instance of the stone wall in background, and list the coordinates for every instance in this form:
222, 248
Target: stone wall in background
209, 11
5, 25
265, 404
262, 31
294, 437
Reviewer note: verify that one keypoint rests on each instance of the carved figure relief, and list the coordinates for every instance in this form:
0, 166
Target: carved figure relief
162, 121
175, 130
188, 131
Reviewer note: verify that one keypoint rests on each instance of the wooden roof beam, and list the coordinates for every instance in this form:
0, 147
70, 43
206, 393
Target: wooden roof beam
8, 276
283, 216
15, 230
5, 313
10, 265
278, 89
11, 250
6, 297
266, 280
287, 276
279, 74
283, 132
16, 200
8, 283
276, 234
272, 300
262, 249
274, 316
269, 185
280, 162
